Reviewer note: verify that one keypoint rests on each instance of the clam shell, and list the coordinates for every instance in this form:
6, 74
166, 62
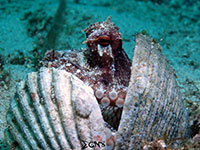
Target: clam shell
153, 103
53, 109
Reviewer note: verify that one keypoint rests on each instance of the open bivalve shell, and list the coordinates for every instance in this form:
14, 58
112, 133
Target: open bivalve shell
54, 110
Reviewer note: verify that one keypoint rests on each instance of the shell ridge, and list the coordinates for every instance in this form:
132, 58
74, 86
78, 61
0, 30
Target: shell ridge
18, 136
63, 98
9, 137
23, 125
145, 72
160, 106
161, 65
82, 123
150, 122
137, 105
44, 83
38, 104
139, 49
74, 114
172, 100
15, 130
53, 111
24, 101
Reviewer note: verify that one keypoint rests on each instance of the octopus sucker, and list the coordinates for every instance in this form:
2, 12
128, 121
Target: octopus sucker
105, 101
99, 93
120, 102
113, 94
96, 94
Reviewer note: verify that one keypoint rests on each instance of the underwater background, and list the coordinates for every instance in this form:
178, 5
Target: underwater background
28, 28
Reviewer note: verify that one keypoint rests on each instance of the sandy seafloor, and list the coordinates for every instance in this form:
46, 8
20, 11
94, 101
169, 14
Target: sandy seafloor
30, 27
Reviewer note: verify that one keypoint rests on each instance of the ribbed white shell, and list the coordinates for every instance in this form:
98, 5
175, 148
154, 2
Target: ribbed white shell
153, 104
54, 110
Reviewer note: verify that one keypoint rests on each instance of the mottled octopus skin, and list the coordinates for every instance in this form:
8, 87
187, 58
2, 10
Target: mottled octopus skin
103, 65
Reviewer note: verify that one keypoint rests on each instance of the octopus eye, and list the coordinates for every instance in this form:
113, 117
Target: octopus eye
104, 40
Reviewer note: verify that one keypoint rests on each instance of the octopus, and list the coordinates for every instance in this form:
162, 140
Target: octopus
102, 65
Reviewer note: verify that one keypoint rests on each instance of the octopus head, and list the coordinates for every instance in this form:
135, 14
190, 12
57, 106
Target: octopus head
103, 41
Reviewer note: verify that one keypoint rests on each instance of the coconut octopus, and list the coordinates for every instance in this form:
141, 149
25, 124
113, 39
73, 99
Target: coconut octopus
103, 65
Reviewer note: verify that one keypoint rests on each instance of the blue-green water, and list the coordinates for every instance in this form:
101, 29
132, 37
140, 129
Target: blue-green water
29, 28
